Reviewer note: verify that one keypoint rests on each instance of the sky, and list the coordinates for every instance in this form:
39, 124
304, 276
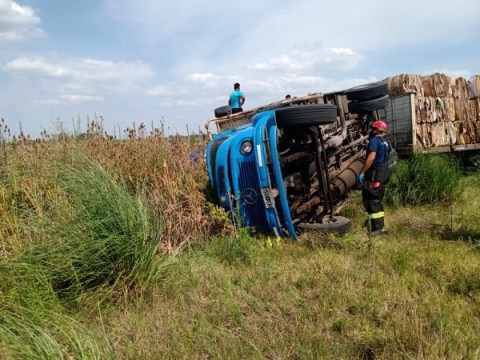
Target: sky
125, 62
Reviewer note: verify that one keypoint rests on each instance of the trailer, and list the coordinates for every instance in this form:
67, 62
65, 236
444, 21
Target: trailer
433, 114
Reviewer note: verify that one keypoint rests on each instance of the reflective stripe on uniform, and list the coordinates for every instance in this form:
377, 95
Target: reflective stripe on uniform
377, 215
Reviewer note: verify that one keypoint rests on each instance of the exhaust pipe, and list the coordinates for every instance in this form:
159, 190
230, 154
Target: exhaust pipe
346, 179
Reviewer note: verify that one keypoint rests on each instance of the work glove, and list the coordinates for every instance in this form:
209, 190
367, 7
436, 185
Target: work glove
360, 178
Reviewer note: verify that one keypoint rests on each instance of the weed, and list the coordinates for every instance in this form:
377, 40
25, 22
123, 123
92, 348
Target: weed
234, 249
425, 179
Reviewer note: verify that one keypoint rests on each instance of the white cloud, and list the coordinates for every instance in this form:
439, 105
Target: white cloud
18, 22
283, 62
78, 80
47, 102
80, 69
81, 98
35, 64
304, 80
205, 79
311, 57
68, 99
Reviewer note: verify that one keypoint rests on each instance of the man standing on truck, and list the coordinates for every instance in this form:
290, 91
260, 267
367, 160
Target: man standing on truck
237, 99
374, 175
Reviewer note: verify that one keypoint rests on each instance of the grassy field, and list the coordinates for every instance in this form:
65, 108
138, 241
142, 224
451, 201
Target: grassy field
413, 294
110, 249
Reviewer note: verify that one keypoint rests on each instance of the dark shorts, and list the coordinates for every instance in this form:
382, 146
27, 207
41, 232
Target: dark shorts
236, 110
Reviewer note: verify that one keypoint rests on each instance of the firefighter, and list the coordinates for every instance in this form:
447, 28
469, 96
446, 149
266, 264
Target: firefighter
374, 175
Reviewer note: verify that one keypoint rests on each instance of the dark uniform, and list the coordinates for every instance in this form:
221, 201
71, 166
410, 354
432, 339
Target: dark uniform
376, 177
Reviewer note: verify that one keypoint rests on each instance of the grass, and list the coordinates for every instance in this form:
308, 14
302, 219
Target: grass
45, 334
121, 256
405, 297
76, 238
425, 179
412, 294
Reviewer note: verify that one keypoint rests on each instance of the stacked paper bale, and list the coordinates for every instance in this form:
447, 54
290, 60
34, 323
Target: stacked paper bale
445, 112
405, 84
474, 87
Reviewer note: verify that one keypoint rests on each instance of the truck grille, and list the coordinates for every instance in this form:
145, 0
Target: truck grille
213, 153
221, 180
252, 205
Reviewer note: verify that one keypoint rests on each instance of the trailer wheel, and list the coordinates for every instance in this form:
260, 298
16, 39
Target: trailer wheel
223, 111
359, 107
336, 224
315, 114
367, 91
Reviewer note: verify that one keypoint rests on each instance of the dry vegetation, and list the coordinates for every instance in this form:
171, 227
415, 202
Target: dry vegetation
110, 249
162, 170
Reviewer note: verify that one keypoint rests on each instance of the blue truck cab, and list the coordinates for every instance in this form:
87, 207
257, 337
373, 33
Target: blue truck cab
284, 168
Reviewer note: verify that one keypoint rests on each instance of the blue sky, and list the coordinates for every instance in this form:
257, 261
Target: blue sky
145, 60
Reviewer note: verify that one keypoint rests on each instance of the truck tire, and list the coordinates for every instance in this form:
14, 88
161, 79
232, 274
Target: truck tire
336, 224
365, 106
367, 91
316, 114
223, 111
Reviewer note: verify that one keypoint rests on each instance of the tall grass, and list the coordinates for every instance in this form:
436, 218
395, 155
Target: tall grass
75, 237
106, 238
28, 333
425, 179
34, 324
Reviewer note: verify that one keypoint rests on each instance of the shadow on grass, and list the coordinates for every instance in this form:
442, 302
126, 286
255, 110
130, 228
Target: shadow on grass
463, 233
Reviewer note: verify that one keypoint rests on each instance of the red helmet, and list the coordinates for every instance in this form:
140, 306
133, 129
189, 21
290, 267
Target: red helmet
380, 125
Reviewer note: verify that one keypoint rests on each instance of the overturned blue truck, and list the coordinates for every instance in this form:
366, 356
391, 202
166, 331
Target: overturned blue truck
286, 167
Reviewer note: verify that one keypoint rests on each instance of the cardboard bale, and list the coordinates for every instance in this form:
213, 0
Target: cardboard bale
476, 104
437, 85
436, 134
472, 131
405, 84
432, 109
440, 134
426, 110
422, 109
464, 135
472, 111
477, 130
474, 86
461, 89
451, 131
423, 135
460, 109
465, 110
452, 83
443, 109
449, 109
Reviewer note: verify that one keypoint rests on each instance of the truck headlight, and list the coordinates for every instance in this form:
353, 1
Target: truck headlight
246, 147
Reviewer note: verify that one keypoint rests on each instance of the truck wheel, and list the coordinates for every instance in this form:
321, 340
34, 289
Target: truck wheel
359, 107
336, 224
316, 114
367, 91
223, 111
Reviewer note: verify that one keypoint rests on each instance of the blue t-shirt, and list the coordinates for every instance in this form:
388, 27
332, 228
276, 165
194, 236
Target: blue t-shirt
380, 145
235, 99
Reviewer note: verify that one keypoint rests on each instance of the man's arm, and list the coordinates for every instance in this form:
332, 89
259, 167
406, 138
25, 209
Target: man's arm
242, 100
368, 162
